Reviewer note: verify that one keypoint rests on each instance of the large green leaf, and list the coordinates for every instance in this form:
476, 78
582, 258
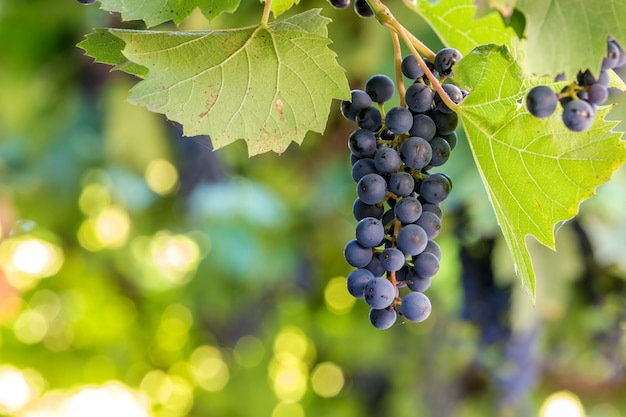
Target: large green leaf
155, 12
455, 23
567, 36
536, 172
107, 49
268, 85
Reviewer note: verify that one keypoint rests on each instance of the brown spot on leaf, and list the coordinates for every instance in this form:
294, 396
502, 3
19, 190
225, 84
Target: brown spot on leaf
279, 107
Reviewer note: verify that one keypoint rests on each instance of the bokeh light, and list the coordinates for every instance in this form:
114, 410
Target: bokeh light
327, 379
338, 299
162, 177
561, 404
108, 229
26, 258
249, 351
174, 255
284, 409
209, 368
15, 390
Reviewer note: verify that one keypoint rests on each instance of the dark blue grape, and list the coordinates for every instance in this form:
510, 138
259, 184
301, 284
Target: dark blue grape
423, 127
383, 318
372, 189
398, 120
426, 264
387, 160
362, 143
433, 208
416, 282
370, 232
431, 224
392, 259
401, 184
597, 94
411, 68
379, 293
408, 210
363, 9
340, 4
363, 167
453, 92
357, 255
541, 101
357, 280
446, 122
451, 139
419, 98
445, 60
374, 266
380, 88
369, 118
578, 115
434, 248
416, 152
360, 210
416, 307
359, 101
612, 57
604, 78
441, 151
435, 188
412, 239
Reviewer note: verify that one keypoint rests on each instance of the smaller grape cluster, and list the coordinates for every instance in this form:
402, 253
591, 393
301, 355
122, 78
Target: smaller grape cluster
580, 98
360, 7
398, 204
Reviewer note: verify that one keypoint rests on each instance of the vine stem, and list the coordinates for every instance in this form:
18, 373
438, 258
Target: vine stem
397, 60
384, 16
266, 12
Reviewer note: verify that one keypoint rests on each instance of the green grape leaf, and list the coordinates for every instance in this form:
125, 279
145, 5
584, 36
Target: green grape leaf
268, 85
107, 49
455, 23
567, 36
281, 6
485, 7
155, 12
536, 172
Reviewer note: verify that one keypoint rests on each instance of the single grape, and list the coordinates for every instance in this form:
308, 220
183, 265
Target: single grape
416, 152
433, 208
392, 259
622, 55
453, 92
435, 188
357, 255
401, 276
451, 139
363, 9
380, 88
363, 167
434, 248
379, 293
423, 127
441, 151
446, 122
388, 217
412, 239
387, 160
416, 307
357, 280
597, 94
360, 210
578, 115
340, 4
426, 264
369, 118
375, 266
418, 283
401, 184
445, 60
359, 101
612, 57
370, 232
411, 68
541, 101
408, 210
419, 98
430, 222
362, 143
372, 189
398, 120
382, 318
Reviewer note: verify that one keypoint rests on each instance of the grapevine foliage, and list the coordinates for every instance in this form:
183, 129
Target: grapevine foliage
272, 83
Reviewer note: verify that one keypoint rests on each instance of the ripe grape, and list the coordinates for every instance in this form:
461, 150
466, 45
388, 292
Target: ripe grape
401, 184
411, 68
382, 318
362, 143
578, 115
453, 92
372, 189
360, 210
359, 101
541, 101
357, 280
416, 152
379, 293
416, 307
597, 94
380, 88
446, 122
363, 9
340, 4
441, 151
445, 60
431, 223
418, 283
362, 167
387, 160
408, 210
370, 232
412, 239
357, 255
435, 188
392, 259
426, 264
369, 118
398, 120
419, 98
423, 127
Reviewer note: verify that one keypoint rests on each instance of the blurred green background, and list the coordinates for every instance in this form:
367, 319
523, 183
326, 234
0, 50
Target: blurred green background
143, 274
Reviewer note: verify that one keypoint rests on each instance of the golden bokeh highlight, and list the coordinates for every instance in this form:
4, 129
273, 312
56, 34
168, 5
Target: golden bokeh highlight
327, 379
209, 368
162, 177
15, 390
25, 259
284, 409
562, 403
337, 298
108, 229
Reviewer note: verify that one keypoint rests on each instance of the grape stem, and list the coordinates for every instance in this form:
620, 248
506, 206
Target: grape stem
397, 60
266, 13
385, 18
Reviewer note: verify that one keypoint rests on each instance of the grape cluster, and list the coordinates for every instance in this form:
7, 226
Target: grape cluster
360, 6
398, 204
580, 98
